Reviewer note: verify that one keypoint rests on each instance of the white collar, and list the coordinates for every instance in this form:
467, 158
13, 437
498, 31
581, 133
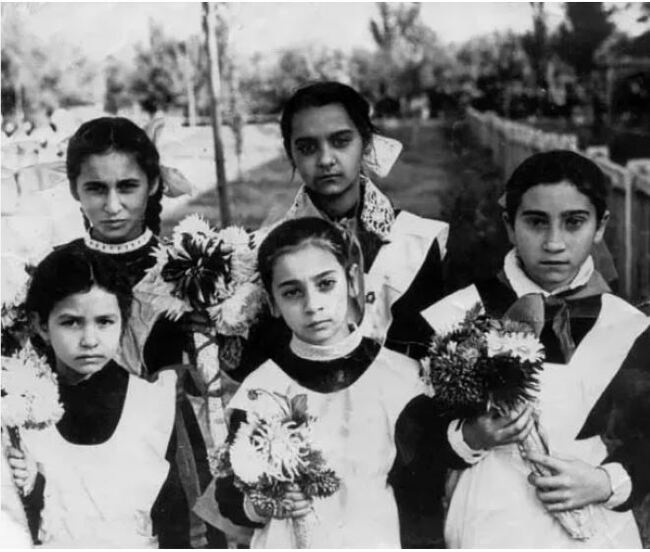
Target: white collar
321, 353
117, 248
377, 214
523, 285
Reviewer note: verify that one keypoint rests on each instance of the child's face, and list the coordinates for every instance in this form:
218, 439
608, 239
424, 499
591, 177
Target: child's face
327, 149
554, 230
113, 191
84, 330
310, 291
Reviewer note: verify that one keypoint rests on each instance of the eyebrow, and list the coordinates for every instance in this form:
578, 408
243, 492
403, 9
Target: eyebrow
316, 277
330, 135
563, 213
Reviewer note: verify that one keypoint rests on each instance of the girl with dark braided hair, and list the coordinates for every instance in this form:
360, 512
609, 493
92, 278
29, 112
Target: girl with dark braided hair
114, 172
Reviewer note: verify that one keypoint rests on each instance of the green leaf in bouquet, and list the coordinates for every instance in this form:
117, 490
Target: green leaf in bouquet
299, 409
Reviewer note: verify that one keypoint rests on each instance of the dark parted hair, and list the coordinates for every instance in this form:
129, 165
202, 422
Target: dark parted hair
105, 134
293, 234
551, 167
324, 93
74, 269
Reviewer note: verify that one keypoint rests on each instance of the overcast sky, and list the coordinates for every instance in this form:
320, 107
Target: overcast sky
110, 28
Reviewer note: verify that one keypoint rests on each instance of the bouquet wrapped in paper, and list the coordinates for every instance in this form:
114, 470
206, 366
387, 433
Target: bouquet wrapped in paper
271, 452
30, 394
486, 364
213, 272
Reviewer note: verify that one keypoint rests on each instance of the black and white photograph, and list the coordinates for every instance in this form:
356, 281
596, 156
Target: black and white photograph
325, 275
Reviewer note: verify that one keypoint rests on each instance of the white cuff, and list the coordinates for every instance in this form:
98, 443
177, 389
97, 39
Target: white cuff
251, 513
620, 483
460, 447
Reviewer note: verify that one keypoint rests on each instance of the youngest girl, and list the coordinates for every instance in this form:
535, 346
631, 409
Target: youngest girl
97, 473
356, 389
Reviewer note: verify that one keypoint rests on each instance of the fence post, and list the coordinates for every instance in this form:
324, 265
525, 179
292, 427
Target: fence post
628, 189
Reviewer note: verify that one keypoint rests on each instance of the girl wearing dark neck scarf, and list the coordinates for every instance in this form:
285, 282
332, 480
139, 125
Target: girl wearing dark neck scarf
591, 401
114, 172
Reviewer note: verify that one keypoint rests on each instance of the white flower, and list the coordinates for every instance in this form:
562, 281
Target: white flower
235, 236
497, 343
193, 224
243, 265
451, 347
235, 315
247, 463
30, 392
526, 347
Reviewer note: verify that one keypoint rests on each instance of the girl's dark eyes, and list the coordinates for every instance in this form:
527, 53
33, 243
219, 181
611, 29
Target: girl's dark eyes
106, 321
306, 148
326, 285
291, 293
70, 322
535, 222
574, 223
341, 142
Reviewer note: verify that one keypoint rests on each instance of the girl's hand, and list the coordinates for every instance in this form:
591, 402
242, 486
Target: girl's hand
492, 429
297, 504
197, 322
574, 483
23, 469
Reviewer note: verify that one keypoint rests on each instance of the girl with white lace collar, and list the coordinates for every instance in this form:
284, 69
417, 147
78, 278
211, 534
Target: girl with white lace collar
591, 403
358, 391
114, 172
330, 140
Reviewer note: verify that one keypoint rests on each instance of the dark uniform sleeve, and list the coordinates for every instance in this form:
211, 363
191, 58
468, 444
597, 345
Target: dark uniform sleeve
228, 496
418, 475
622, 418
189, 475
409, 333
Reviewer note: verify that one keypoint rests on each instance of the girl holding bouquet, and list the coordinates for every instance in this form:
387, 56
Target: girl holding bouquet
357, 392
592, 409
94, 476
334, 148
114, 173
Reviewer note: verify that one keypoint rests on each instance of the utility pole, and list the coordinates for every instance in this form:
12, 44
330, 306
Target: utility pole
215, 92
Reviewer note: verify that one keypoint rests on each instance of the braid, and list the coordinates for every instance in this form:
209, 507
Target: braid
154, 208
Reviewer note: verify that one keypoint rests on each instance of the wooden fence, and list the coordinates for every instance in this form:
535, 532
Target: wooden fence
628, 233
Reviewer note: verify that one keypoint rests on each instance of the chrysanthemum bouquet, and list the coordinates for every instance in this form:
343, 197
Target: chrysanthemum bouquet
30, 394
485, 364
273, 451
213, 272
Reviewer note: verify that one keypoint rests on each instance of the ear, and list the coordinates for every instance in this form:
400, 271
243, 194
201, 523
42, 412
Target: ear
354, 287
40, 328
510, 228
602, 224
273, 308
154, 188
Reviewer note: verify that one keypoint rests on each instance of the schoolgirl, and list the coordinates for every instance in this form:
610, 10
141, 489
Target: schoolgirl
96, 474
360, 392
592, 403
114, 172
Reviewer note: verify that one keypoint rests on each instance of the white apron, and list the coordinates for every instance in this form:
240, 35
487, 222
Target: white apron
355, 429
494, 506
100, 496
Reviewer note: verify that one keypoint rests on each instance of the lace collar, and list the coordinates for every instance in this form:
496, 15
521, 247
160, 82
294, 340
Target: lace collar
377, 213
523, 285
343, 348
118, 248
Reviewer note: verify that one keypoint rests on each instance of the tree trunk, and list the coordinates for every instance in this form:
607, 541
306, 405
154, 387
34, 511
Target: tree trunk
215, 92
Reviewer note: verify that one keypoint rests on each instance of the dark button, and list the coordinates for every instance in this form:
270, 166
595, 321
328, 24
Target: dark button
370, 297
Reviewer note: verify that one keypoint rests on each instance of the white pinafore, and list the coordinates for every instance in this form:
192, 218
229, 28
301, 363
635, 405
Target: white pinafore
493, 505
355, 429
100, 496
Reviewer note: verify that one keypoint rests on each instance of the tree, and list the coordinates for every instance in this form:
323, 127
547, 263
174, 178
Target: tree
586, 27
535, 43
408, 48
